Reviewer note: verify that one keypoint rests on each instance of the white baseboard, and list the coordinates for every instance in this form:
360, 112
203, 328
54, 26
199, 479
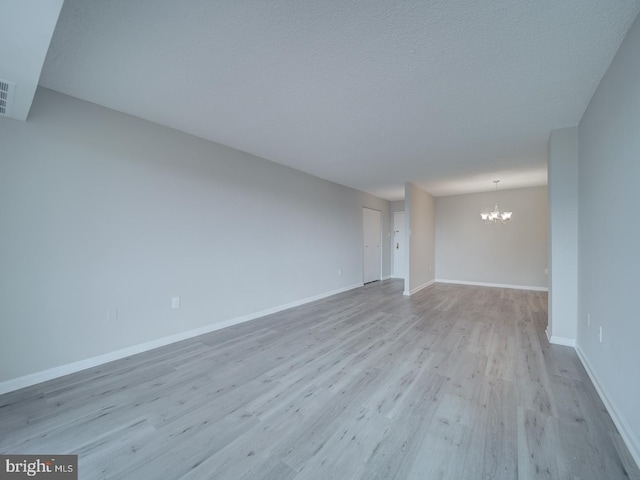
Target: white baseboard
386, 277
417, 289
51, 373
554, 339
495, 285
567, 342
630, 439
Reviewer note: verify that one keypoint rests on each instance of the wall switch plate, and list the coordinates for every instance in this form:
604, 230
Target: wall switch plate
339, 272
588, 319
175, 302
600, 333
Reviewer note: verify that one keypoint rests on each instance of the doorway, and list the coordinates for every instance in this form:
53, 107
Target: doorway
398, 245
372, 253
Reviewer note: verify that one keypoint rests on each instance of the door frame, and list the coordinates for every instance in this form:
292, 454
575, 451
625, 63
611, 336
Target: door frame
379, 262
404, 245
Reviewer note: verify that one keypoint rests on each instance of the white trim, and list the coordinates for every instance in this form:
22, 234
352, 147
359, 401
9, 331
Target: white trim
567, 342
496, 285
626, 432
386, 277
51, 373
417, 289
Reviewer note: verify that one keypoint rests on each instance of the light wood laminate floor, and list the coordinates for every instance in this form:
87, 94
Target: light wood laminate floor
456, 382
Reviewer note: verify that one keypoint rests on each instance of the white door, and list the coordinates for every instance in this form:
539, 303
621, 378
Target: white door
398, 245
372, 253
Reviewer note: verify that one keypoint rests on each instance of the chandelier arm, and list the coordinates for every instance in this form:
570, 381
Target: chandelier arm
496, 215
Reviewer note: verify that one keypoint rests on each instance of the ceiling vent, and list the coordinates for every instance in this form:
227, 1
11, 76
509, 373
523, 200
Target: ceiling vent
6, 97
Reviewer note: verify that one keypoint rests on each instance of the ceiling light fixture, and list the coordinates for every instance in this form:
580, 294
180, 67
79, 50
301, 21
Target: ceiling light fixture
495, 216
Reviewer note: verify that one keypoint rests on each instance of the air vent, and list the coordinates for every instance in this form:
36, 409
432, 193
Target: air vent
6, 97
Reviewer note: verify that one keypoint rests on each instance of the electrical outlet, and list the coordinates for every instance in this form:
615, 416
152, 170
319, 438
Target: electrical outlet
339, 272
175, 302
600, 333
588, 319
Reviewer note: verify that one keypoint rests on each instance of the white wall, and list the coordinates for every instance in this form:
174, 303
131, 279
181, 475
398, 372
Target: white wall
609, 238
103, 211
514, 254
563, 235
420, 236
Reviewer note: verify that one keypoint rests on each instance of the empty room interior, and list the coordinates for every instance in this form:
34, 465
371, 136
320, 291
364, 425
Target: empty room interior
320, 240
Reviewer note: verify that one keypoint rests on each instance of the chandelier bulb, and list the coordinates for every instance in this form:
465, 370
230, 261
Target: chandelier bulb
494, 216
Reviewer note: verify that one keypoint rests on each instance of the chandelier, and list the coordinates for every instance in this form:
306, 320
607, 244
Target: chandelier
496, 216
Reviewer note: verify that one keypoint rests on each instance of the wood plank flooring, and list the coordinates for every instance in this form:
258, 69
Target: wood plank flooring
456, 382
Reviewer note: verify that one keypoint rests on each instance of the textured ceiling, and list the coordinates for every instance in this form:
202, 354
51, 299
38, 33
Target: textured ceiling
366, 93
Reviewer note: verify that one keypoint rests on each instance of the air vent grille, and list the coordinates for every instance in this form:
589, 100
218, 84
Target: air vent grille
6, 94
